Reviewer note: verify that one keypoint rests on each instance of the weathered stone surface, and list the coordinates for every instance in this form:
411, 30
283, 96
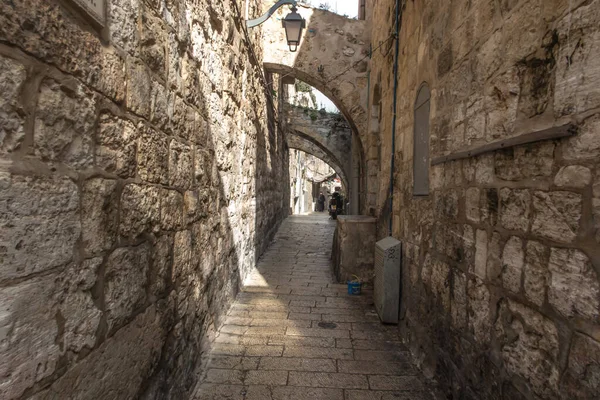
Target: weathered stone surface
574, 176
139, 89
556, 215
583, 373
125, 286
577, 78
152, 43
153, 156
488, 206
530, 346
352, 252
77, 307
122, 17
28, 333
569, 269
101, 108
12, 77
459, 300
525, 162
171, 210
479, 310
64, 124
536, 272
140, 210
162, 261
501, 103
512, 264
116, 144
182, 254
515, 209
180, 165
481, 253
440, 275
39, 223
132, 354
472, 199
57, 40
596, 213
99, 204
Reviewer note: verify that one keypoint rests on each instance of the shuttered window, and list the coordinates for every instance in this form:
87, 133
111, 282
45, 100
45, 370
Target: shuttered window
421, 142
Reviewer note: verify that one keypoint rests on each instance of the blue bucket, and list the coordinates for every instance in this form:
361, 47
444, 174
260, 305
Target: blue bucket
354, 288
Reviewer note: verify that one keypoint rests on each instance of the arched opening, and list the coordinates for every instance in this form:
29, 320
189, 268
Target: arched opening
344, 150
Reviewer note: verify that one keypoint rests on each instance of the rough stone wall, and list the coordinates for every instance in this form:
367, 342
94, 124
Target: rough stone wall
501, 289
139, 181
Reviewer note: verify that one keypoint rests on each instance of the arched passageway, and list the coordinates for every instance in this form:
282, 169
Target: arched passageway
332, 57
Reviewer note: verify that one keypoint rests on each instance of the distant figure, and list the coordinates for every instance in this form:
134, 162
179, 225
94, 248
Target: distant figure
321, 203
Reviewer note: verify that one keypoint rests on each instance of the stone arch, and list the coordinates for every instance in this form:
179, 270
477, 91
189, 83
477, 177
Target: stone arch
331, 44
330, 130
300, 141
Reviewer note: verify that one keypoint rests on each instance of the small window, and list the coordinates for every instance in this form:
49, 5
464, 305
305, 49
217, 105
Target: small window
421, 143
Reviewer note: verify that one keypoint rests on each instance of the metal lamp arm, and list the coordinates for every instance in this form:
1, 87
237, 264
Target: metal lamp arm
251, 23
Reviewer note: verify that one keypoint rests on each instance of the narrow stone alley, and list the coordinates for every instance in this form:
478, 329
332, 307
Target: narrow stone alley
294, 334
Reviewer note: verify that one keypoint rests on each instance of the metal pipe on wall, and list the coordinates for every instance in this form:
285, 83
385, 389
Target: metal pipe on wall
392, 166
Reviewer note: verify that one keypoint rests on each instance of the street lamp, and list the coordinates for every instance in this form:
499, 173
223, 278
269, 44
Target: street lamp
293, 23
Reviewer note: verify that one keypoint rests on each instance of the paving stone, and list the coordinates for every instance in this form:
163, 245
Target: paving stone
230, 362
318, 352
305, 316
343, 343
305, 393
373, 355
279, 322
302, 341
375, 367
243, 340
317, 332
228, 349
381, 395
260, 351
271, 346
225, 376
381, 382
270, 378
298, 364
328, 380
210, 391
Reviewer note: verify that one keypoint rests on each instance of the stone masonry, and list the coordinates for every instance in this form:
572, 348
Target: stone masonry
501, 294
144, 170
293, 334
140, 179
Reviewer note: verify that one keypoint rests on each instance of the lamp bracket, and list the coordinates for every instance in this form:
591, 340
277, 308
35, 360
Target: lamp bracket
251, 23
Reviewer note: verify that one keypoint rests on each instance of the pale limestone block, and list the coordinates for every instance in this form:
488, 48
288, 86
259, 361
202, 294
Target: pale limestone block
556, 215
512, 264
481, 253
126, 280
64, 125
12, 77
574, 176
569, 269
529, 346
536, 272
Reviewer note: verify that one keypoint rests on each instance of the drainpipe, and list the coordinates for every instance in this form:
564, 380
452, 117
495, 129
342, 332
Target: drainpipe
394, 115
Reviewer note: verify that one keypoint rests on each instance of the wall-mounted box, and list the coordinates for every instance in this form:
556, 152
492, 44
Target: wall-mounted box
95, 9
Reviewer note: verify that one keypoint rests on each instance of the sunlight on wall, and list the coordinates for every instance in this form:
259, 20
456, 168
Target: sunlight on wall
348, 8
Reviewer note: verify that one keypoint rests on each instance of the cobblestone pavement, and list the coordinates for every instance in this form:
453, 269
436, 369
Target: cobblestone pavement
293, 334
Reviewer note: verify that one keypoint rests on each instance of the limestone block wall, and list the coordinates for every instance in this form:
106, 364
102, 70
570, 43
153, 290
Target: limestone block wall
140, 178
501, 295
